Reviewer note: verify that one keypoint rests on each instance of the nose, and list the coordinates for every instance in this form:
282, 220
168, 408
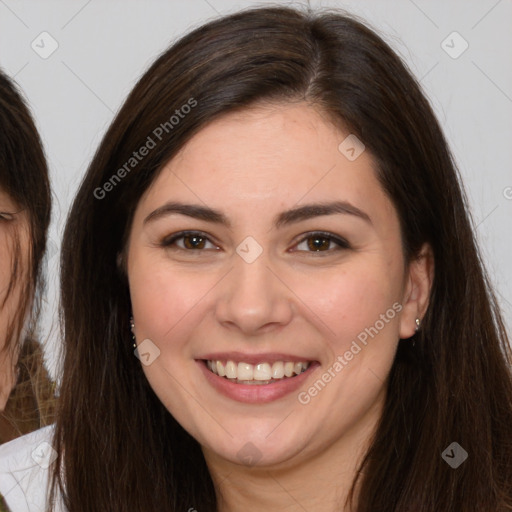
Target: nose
253, 299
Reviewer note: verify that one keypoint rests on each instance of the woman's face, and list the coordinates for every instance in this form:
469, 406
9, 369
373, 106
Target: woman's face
293, 254
13, 230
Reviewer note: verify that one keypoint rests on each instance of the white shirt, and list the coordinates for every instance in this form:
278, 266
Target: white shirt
25, 466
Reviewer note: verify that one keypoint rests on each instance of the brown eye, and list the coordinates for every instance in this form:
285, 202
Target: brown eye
194, 242
190, 241
318, 243
322, 242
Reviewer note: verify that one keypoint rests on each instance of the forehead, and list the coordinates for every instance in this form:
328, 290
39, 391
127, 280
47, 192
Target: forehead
263, 138
273, 154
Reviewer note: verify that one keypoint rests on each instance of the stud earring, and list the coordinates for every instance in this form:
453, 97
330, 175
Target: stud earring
417, 328
132, 328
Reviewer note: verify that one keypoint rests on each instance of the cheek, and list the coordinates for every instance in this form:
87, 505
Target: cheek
5, 262
168, 306
351, 300
166, 301
11, 305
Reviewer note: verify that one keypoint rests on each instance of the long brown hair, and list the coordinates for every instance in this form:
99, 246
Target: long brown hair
122, 449
24, 177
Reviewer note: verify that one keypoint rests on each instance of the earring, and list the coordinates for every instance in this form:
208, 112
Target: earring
132, 328
417, 328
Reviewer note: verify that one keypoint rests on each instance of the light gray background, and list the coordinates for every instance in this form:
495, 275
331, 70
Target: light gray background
104, 46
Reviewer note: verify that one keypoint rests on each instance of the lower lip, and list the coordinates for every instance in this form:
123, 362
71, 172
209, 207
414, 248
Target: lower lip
256, 393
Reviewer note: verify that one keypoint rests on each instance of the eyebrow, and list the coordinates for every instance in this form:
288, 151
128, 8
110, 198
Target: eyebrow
285, 218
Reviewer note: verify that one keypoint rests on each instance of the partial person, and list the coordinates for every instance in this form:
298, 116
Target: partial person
27, 393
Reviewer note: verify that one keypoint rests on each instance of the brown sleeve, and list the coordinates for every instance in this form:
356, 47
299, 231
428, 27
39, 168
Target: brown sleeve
32, 403
3, 505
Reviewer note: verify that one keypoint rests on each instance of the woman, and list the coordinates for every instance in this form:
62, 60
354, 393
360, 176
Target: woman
26, 391
25, 201
274, 223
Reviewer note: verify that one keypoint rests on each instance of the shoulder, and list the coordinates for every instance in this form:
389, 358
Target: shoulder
25, 465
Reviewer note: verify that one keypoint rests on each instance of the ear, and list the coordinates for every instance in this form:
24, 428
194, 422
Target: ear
121, 263
418, 284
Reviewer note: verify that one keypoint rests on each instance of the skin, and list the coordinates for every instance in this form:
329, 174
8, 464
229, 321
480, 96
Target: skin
9, 225
251, 166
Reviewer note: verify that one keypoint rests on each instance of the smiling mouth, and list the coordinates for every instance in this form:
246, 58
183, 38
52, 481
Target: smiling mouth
257, 374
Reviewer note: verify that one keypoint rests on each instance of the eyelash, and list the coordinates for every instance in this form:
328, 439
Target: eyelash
169, 241
6, 216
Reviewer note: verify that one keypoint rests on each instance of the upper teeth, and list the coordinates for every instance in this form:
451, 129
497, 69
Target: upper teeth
261, 371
